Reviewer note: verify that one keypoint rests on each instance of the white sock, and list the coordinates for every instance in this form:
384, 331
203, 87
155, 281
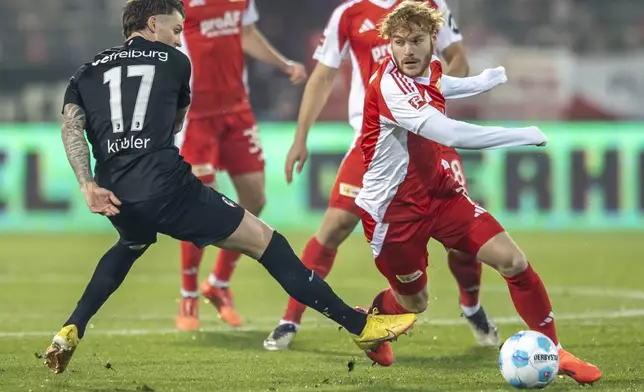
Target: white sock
189, 294
214, 282
470, 310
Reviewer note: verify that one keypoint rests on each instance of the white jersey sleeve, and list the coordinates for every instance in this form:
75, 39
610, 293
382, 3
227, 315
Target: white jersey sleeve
449, 33
334, 45
250, 15
412, 112
456, 88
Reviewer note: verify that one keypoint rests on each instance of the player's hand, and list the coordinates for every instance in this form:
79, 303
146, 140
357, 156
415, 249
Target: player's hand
100, 200
496, 75
296, 72
298, 154
540, 138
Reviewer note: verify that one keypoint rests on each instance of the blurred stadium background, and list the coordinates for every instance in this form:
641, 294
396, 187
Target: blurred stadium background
576, 68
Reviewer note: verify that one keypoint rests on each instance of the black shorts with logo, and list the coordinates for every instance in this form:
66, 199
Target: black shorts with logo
195, 213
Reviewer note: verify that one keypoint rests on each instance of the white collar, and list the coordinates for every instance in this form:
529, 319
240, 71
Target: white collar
423, 79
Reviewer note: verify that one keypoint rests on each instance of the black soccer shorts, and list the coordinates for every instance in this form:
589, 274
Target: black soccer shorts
196, 213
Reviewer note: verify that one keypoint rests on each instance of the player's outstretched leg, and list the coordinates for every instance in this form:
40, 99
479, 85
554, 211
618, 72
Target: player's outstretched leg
253, 238
531, 300
318, 255
467, 271
108, 276
251, 195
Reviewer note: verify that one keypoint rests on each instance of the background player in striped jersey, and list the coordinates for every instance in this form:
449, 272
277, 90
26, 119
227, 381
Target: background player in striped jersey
352, 32
221, 132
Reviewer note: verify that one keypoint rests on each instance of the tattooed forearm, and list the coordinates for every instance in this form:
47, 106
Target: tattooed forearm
73, 133
179, 119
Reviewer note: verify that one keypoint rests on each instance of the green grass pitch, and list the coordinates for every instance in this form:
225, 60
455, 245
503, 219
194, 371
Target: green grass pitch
595, 282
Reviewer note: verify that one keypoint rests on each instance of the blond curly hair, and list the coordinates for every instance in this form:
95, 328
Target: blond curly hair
410, 14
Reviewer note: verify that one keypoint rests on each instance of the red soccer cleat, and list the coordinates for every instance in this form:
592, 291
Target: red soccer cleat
188, 317
222, 299
578, 370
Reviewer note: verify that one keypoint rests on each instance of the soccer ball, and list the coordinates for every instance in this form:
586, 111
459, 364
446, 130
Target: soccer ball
529, 360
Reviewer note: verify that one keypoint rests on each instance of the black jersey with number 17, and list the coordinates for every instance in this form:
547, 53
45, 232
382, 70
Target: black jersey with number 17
130, 95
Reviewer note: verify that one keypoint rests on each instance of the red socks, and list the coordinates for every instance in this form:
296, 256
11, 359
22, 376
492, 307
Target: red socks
190, 260
532, 303
467, 272
386, 303
225, 265
318, 258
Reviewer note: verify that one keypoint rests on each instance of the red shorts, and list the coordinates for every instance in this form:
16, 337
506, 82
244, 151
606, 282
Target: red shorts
348, 183
400, 248
228, 142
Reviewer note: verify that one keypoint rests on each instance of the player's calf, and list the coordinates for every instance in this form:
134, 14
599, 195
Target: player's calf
527, 290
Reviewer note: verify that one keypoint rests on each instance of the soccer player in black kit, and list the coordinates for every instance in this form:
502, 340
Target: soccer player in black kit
131, 100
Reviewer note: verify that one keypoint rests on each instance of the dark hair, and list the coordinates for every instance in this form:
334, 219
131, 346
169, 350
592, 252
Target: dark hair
137, 12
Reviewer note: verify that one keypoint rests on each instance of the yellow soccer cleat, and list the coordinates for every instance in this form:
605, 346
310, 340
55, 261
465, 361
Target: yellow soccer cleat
383, 328
62, 348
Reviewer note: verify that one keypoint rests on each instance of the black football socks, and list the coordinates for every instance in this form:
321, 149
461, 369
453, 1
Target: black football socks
108, 276
306, 287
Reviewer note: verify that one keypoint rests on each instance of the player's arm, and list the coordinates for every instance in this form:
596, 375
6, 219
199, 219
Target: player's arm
183, 102
316, 93
456, 88
449, 43
411, 112
76, 148
258, 47
329, 55
459, 134
99, 200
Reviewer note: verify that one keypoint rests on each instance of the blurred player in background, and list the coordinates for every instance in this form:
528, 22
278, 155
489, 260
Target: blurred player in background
221, 132
131, 100
409, 193
352, 31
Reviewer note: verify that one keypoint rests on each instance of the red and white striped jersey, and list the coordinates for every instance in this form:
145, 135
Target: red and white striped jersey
212, 41
404, 170
352, 31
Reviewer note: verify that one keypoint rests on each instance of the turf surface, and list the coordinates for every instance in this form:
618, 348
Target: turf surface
595, 281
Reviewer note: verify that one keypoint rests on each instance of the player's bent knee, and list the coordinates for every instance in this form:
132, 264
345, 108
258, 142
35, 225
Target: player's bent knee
512, 262
515, 264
